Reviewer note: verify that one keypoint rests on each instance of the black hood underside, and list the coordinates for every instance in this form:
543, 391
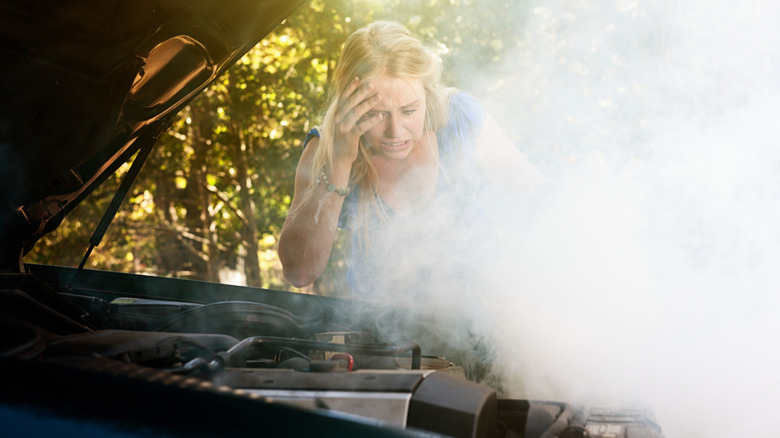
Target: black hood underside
86, 84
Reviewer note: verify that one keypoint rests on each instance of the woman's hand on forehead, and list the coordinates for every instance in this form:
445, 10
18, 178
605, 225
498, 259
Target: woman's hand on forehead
357, 100
351, 122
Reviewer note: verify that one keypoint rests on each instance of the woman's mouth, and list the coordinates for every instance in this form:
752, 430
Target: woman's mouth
395, 146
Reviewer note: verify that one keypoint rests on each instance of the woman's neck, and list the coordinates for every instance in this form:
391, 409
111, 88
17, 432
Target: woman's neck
409, 183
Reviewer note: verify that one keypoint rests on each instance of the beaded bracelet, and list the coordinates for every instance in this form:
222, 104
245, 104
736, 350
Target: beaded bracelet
331, 187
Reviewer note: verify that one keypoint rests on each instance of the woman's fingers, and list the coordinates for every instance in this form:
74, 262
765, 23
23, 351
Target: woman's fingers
367, 120
354, 117
350, 88
347, 98
356, 101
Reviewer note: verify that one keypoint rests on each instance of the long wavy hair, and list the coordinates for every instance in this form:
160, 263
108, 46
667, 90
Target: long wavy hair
381, 48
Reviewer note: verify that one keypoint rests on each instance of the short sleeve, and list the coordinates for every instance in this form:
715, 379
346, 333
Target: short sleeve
315, 132
458, 139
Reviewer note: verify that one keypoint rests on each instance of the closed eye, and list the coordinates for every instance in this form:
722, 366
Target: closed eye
411, 108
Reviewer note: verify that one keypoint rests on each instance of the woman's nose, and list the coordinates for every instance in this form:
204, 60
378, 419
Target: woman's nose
393, 126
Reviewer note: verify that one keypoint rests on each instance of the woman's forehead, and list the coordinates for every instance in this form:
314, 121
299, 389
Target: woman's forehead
396, 92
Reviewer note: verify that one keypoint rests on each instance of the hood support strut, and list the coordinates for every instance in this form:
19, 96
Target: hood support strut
119, 196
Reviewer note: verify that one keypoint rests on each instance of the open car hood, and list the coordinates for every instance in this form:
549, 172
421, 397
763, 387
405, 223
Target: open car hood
86, 84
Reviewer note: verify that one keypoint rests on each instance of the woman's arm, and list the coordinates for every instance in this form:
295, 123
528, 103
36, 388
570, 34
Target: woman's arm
307, 236
310, 228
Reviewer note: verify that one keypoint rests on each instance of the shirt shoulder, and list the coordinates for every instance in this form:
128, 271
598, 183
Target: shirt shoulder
314, 132
464, 125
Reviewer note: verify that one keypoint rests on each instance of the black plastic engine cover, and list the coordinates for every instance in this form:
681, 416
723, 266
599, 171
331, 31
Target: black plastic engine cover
454, 407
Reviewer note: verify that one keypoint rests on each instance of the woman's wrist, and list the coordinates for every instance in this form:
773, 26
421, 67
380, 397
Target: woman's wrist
335, 178
331, 186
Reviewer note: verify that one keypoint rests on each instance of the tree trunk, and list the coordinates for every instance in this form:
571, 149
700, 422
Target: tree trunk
205, 259
249, 232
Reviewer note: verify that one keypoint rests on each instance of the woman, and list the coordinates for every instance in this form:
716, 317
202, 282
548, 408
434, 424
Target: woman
393, 140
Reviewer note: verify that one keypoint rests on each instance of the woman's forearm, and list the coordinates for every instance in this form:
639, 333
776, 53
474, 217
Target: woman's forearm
307, 237
308, 233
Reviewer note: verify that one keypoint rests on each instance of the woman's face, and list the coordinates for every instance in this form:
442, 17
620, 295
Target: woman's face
403, 117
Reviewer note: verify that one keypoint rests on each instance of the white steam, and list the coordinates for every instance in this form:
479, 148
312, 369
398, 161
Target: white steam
648, 269
651, 272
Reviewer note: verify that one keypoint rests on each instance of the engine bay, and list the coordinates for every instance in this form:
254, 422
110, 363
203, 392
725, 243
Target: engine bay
319, 361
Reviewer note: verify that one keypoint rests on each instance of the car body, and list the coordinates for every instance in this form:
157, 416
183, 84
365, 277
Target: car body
88, 85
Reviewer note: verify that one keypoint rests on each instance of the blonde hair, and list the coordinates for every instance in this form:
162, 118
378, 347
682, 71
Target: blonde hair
381, 48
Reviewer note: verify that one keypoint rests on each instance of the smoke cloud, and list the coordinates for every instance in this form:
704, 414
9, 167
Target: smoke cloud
645, 270
650, 274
